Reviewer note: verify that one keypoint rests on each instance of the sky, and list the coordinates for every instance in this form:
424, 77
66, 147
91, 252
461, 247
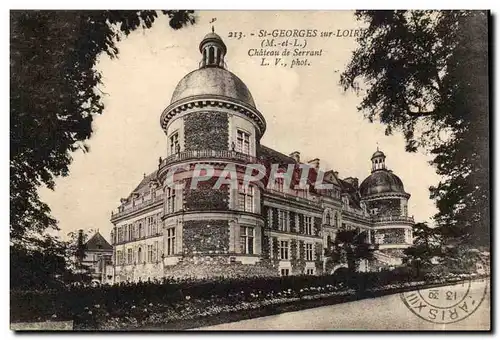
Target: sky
305, 108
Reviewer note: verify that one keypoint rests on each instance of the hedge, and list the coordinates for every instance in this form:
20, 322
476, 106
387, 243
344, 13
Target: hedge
157, 302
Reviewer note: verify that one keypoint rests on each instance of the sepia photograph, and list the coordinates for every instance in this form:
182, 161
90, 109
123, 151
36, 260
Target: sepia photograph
250, 170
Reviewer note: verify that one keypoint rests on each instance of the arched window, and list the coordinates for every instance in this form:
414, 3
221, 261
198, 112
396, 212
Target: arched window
327, 218
218, 56
139, 255
141, 230
211, 55
337, 220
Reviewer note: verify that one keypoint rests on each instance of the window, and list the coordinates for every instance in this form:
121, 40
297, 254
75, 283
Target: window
150, 253
328, 220
310, 271
270, 218
278, 184
283, 250
408, 236
246, 240
155, 251
130, 232
308, 225
141, 230
171, 241
120, 234
129, 256
139, 255
155, 225
125, 233
119, 258
345, 202
283, 220
151, 225
285, 272
309, 252
245, 198
174, 143
211, 55
337, 220
243, 142
170, 200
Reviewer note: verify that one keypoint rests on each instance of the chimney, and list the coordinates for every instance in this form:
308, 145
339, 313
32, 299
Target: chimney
314, 163
352, 181
80, 252
296, 156
80, 237
336, 173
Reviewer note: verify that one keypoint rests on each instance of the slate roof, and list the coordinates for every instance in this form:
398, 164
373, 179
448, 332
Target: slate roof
144, 184
98, 242
353, 193
273, 156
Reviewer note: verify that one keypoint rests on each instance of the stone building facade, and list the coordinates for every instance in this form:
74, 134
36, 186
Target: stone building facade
168, 228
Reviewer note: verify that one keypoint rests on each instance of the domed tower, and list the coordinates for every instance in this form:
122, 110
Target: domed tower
386, 201
212, 120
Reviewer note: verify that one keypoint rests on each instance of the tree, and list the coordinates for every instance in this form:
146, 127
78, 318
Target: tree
50, 263
425, 73
350, 247
54, 96
36, 269
75, 254
426, 247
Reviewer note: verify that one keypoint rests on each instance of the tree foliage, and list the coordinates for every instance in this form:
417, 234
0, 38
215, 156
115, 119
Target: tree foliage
350, 247
49, 263
427, 245
54, 97
425, 73
43, 267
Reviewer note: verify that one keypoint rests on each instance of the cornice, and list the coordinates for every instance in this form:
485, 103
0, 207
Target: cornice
118, 217
234, 214
202, 101
386, 195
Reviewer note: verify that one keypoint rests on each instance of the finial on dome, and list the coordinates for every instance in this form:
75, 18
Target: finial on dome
213, 29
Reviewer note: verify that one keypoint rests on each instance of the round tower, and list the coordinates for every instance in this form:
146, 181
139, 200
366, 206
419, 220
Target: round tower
386, 201
212, 122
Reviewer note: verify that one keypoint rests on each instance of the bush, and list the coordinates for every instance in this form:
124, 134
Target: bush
126, 305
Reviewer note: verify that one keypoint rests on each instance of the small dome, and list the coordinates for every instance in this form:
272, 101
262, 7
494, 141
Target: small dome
210, 82
212, 37
378, 154
381, 181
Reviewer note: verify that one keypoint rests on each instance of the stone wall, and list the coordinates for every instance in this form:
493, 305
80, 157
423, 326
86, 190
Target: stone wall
216, 266
386, 207
206, 131
390, 236
206, 236
205, 197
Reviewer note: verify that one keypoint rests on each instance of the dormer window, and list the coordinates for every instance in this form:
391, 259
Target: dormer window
279, 184
345, 202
